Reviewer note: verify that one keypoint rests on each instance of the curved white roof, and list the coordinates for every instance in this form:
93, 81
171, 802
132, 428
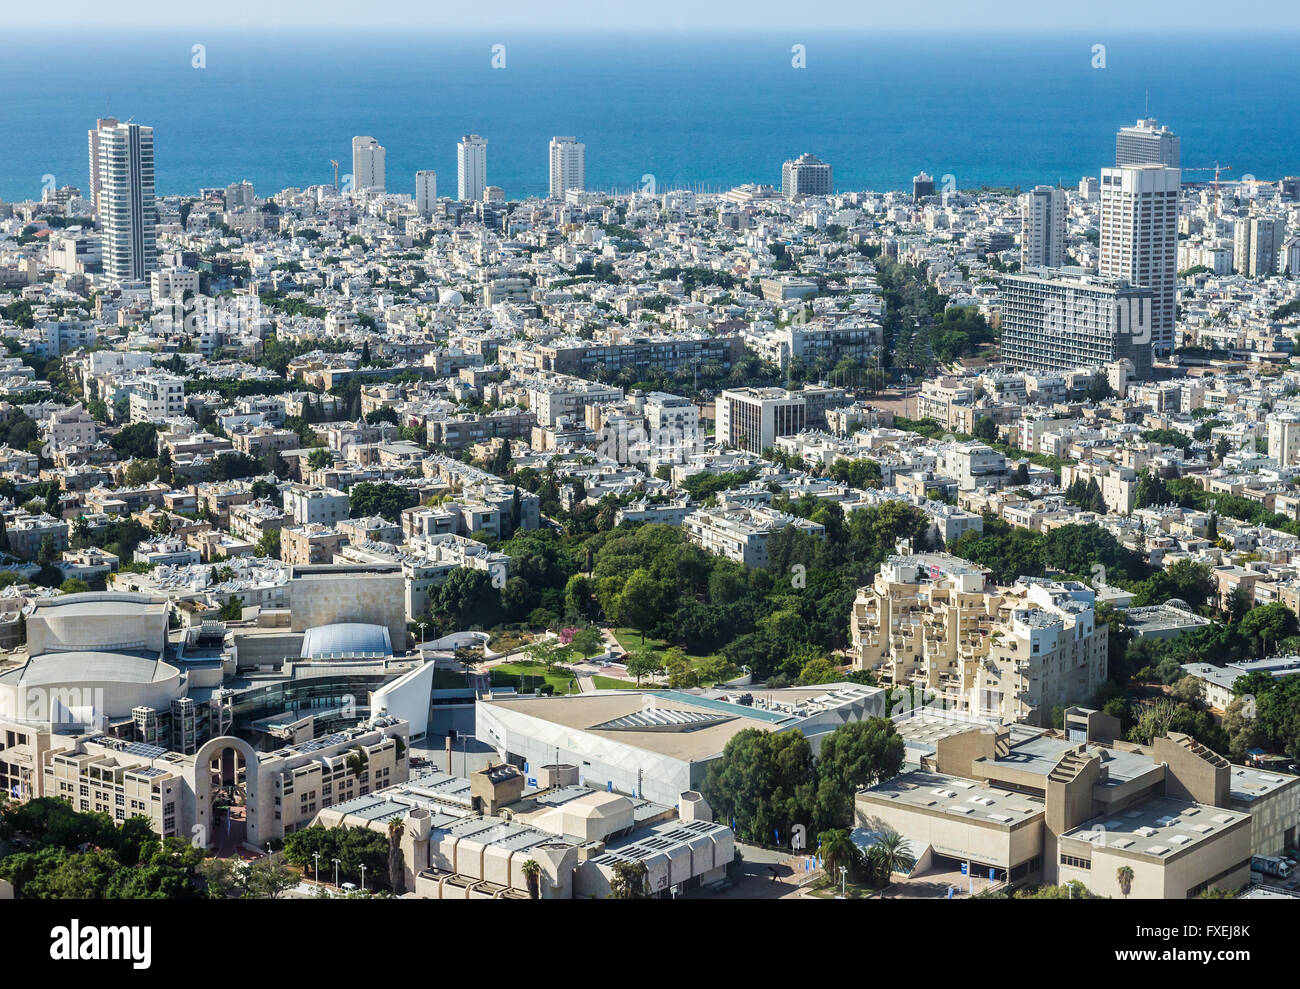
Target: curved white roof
90, 667
346, 639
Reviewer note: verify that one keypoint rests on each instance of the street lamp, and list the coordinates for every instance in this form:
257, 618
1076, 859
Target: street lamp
316, 856
363, 877
422, 626
336, 873
844, 881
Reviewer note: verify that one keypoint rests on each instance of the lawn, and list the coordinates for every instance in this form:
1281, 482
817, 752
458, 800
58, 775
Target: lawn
529, 676
630, 640
448, 680
613, 683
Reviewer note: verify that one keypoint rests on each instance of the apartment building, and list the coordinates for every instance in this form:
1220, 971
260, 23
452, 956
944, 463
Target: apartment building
742, 532
929, 620
368, 164
71, 427
1118, 484
1042, 228
1139, 238
157, 396
806, 175
462, 431
638, 355
752, 418
284, 789
972, 465
315, 506
1147, 142
568, 158
553, 400
301, 545
1060, 320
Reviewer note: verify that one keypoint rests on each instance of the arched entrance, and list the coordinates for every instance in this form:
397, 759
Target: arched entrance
225, 770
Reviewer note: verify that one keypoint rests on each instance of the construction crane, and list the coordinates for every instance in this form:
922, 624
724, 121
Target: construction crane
336, 174
1216, 170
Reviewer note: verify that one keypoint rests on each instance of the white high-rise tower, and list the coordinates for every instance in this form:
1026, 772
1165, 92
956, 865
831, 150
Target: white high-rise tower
367, 164
471, 168
1147, 143
1042, 228
426, 192
128, 213
568, 166
93, 141
1139, 238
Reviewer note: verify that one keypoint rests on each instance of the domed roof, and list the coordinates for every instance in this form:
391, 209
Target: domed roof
91, 667
346, 639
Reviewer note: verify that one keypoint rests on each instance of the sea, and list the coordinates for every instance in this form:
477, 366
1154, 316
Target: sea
655, 110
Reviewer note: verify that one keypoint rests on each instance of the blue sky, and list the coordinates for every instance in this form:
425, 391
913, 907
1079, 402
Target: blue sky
1196, 16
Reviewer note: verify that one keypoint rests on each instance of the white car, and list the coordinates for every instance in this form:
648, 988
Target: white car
348, 887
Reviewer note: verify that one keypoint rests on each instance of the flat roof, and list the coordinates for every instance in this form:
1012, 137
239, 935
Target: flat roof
956, 798
583, 712
1247, 784
1157, 828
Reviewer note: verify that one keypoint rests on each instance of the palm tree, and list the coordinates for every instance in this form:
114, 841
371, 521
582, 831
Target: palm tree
396, 880
1124, 876
533, 877
838, 850
890, 855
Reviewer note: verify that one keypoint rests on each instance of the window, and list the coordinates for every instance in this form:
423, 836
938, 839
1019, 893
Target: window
1076, 862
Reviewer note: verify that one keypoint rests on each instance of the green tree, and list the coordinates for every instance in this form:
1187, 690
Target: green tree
764, 781
838, 852
381, 498
533, 878
396, 865
887, 857
1124, 876
854, 756
587, 641
639, 604
630, 881
644, 662
269, 878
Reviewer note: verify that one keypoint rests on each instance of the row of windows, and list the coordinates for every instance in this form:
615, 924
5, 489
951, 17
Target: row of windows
1076, 862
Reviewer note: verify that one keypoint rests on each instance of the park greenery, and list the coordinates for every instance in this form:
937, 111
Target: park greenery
767, 782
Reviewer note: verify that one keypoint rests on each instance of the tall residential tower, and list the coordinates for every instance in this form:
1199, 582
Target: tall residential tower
93, 141
1139, 238
1147, 143
568, 166
807, 175
471, 168
127, 211
426, 192
1042, 228
367, 165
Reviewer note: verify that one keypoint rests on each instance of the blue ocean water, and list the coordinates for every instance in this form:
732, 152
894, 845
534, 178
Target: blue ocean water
701, 111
